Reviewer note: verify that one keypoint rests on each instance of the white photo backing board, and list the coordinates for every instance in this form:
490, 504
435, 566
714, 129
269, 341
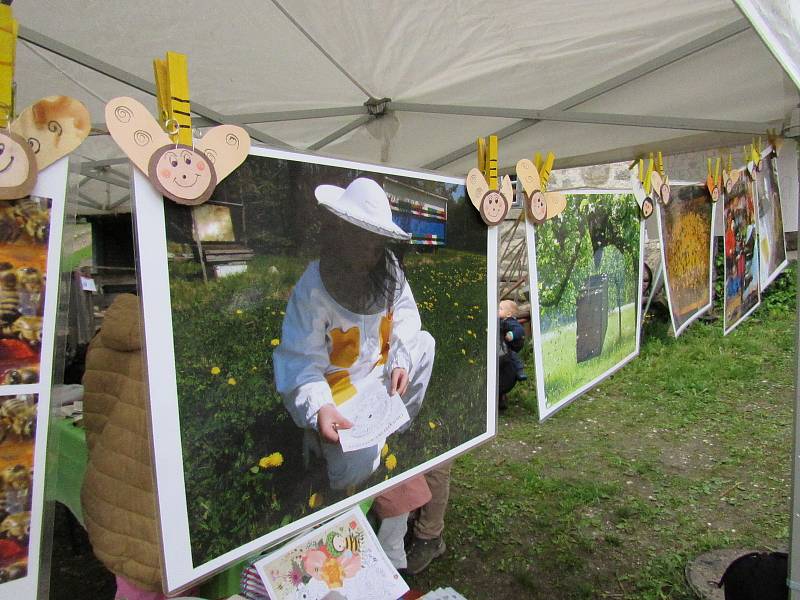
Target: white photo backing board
455, 305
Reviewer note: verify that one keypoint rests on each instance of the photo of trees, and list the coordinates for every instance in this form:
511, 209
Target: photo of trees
587, 274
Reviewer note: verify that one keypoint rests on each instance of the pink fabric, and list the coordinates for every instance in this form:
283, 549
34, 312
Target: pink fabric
127, 591
404, 498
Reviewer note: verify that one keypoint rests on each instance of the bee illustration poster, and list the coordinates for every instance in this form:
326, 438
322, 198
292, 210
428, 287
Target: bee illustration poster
586, 281
255, 345
341, 559
771, 238
30, 247
742, 293
687, 248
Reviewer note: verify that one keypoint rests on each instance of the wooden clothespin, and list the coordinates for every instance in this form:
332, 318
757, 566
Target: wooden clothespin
545, 168
643, 188
172, 96
647, 178
8, 51
493, 204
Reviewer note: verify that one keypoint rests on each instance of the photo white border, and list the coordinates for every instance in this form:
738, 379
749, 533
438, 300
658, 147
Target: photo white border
50, 183
661, 236
546, 411
779, 269
179, 573
725, 328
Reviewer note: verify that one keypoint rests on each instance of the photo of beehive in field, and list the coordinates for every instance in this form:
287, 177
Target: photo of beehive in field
685, 227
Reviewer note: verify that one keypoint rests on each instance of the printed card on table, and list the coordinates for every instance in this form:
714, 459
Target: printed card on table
342, 559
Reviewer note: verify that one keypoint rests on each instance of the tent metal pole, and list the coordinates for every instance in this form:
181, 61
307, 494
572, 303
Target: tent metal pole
104, 68
794, 541
342, 131
296, 115
646, 68
682, 123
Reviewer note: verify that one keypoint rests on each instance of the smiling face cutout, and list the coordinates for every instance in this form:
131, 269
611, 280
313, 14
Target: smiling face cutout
493, 205
17, 166
183, 173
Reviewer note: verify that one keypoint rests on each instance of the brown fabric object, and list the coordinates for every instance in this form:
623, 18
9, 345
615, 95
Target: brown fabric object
430, 522
404, 498
117, 495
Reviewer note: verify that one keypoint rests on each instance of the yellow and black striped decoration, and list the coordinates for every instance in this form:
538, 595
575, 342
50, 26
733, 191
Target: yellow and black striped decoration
172, 95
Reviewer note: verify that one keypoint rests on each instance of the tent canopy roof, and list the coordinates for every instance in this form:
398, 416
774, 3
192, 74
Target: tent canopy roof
591, 81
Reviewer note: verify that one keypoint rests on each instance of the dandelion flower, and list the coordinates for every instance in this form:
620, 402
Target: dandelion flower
455, 303
463, 351
239, 311
470, 361
273, 460
215, 370
391, 462
384, 450
431, 424
469, 332
315, 500
231, 381
274, 342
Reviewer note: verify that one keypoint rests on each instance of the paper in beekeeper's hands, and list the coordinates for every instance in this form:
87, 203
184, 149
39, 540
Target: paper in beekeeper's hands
375, 415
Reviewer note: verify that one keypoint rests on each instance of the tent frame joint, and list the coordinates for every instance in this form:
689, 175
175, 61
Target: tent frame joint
377, 106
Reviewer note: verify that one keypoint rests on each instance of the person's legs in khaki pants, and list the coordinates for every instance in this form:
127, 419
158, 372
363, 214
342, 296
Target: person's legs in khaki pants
428, 542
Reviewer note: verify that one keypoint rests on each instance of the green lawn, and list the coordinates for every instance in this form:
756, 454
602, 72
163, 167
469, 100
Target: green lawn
686, 449
563, 374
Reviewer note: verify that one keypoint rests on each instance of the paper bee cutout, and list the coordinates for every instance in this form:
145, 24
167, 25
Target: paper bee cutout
643, 199
714, 181
539, 205
660, 186
492, 204
44, 132
181, 173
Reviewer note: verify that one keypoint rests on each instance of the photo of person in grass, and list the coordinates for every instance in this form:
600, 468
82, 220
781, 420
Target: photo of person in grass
306, 287
352, 318
586, 286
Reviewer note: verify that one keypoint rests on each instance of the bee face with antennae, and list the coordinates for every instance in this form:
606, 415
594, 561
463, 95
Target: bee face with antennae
17, 166
180, 171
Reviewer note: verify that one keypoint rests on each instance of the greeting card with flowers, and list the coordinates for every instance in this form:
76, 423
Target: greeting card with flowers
341, 559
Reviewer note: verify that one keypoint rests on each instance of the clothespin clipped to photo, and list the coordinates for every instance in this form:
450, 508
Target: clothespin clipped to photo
492, 204
730, 175
540, 204
775, 141
755, 153
181, 168
713, 179
45, 131
659, 181
641, 185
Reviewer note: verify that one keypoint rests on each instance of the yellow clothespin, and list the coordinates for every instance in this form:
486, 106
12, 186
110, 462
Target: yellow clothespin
172, 94
545, 167
8, 51
660, 165
487, 160
648, 174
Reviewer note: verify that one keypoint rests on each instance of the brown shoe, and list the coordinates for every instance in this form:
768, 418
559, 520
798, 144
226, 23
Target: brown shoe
422, 552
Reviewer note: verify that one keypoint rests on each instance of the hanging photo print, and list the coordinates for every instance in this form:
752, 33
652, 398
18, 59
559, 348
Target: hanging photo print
585, 274
742, 294
30, 249
771, 238
304, 350
342, 559
687, 248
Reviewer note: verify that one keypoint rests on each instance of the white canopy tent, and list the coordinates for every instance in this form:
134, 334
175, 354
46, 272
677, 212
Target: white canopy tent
593, 81
414, 83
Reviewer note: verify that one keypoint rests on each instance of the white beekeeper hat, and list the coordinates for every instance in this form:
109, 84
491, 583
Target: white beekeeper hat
363, 204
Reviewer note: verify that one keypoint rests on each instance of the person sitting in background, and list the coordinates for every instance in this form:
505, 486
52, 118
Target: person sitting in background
513, 334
